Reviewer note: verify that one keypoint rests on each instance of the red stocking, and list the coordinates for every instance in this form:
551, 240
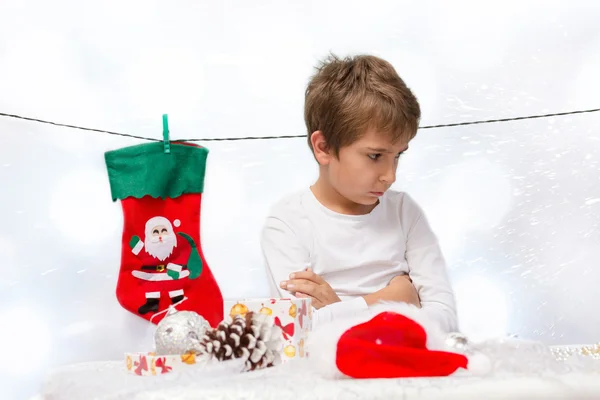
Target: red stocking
161, 259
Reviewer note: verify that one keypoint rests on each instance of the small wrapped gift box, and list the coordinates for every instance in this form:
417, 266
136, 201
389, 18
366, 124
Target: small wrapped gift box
293, 316
150, 364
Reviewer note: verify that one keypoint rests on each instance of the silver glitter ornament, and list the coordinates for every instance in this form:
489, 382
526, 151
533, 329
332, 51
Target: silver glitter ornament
179, 332
458, 342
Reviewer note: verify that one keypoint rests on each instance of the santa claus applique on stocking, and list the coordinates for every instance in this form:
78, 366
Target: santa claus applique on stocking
169, 260
162, 262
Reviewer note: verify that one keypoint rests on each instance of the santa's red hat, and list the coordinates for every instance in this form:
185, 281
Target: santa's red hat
390, 340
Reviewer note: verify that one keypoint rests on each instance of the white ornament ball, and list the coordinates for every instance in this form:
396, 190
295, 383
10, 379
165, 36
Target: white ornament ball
458, 342
179, 332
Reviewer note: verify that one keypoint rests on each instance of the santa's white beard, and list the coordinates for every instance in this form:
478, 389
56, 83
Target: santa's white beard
161, 250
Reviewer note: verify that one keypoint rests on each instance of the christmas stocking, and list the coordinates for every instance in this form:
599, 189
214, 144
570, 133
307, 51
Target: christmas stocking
161, 258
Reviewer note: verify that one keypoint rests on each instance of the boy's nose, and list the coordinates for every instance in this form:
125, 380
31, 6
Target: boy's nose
388, 177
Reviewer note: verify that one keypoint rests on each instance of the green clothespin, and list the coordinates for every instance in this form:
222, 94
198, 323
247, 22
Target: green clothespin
166, 140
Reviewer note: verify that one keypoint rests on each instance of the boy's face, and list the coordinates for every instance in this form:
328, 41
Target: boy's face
364, 170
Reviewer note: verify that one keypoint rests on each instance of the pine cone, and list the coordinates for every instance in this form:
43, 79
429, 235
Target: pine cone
252, 337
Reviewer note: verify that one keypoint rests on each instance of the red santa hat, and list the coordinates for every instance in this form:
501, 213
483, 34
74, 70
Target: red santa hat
390, 340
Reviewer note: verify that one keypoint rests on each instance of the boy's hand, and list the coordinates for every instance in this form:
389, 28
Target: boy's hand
307, 284
400, 288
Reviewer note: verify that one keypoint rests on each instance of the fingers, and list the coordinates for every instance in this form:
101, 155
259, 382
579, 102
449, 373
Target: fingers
307, 284
301, 277
301, 285
308, 275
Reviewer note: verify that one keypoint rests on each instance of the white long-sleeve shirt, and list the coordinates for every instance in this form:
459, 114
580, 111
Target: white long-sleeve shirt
358, 254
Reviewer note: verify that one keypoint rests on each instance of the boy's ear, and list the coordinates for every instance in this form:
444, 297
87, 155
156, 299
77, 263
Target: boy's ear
320, 148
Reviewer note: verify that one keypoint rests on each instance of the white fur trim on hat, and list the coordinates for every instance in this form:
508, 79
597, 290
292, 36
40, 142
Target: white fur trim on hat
479, 364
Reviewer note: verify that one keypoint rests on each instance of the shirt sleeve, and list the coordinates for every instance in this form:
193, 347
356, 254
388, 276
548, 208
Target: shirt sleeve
284, 253
427, 269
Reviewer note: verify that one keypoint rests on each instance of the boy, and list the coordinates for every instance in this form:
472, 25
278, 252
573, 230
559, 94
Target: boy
347, 241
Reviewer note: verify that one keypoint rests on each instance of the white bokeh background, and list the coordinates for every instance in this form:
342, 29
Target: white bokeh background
516, 205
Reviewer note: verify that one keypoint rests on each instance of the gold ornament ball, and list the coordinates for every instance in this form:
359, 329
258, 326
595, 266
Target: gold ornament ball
293, 311
238, 309
266, 310
289, 351
188, 358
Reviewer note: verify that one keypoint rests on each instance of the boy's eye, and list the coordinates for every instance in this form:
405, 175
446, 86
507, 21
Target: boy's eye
374, 157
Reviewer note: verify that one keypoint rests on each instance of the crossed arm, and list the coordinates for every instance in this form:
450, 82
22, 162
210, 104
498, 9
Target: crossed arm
307, 284
428, 286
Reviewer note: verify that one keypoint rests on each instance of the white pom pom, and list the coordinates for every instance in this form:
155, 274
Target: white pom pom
177, 223
479, 364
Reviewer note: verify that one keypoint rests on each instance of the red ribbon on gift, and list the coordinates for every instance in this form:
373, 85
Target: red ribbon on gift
161, 363
287, 330
302, 312
141, 365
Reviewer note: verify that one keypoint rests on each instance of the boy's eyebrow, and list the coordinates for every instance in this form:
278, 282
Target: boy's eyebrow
383, 150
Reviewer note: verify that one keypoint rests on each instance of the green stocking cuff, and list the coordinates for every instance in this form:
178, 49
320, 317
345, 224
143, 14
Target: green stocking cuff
146, 170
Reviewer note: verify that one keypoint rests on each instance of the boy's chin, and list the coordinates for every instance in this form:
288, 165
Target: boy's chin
367, 200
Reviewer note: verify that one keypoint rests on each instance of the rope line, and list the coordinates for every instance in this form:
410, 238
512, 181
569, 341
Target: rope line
487, 121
